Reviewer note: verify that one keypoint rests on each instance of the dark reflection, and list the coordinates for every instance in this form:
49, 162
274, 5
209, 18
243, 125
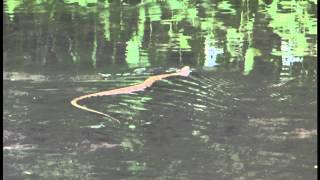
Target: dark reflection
247, 111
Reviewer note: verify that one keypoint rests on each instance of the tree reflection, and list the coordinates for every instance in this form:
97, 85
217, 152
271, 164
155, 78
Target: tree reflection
150, 33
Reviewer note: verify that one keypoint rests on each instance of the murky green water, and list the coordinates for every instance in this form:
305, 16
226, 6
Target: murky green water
247, 111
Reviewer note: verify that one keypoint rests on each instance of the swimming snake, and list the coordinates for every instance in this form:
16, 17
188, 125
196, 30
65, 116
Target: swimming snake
185, 71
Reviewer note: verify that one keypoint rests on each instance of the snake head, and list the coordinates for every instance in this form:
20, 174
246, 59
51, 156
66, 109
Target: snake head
185, 71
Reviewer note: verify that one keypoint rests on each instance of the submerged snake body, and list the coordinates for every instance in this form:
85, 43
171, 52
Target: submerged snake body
185, 71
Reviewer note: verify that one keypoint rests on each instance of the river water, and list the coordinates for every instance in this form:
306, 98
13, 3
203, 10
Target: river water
247, 110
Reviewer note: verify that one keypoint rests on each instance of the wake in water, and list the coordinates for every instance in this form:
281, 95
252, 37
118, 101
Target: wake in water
185, 71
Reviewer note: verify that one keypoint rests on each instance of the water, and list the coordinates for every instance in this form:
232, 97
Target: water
247, 111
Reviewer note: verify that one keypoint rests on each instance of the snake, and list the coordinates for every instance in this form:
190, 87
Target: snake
185, 71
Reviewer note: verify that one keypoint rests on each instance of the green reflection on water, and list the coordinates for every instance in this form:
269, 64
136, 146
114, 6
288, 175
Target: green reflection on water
293, 26
132, 52
226, 6
83, 3
174, 4
11, 5
104, 17
293, 23
148, 33
154, 13
134, 58
249, 59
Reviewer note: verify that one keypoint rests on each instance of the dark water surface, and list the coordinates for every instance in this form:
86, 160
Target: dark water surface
247, 111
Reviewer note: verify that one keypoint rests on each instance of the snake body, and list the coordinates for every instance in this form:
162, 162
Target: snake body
185, 71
